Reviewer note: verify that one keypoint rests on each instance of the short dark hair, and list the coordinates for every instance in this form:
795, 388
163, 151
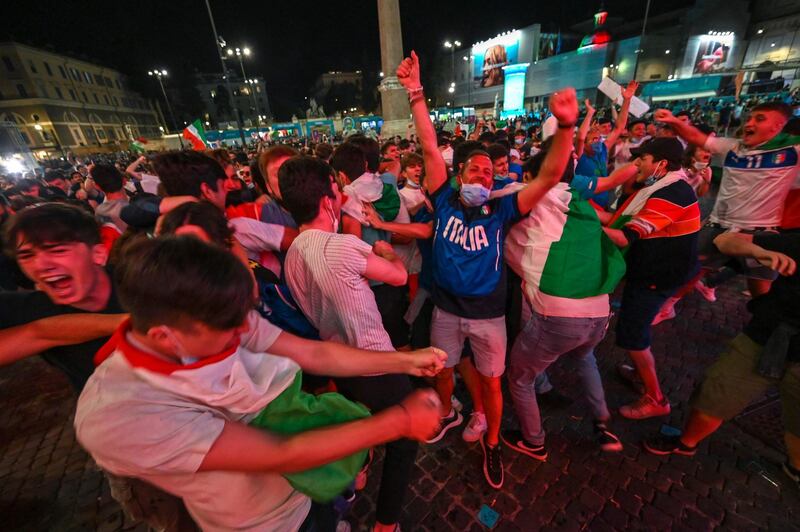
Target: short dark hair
202, 214
778, 107
349, 159
25, 185
171, 280
51, 223
304, 181
404, 144
386, 146
476, 153
463, 150
534, 164
107, 177
487, 136
52, 175
323, 150
411, 159
371, 149
182, 172
496, 151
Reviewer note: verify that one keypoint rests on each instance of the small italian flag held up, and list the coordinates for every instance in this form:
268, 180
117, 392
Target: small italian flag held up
138, 145
196, 135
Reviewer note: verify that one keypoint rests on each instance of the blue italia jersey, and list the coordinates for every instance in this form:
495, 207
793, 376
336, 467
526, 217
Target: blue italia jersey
468, 243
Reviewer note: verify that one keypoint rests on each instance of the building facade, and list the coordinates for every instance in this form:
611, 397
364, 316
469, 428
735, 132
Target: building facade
249, 97
702, 51
61, 103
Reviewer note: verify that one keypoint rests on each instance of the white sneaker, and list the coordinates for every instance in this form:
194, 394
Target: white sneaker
475, 428
708, 293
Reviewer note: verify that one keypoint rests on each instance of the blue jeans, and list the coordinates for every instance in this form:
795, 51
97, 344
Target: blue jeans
543, 341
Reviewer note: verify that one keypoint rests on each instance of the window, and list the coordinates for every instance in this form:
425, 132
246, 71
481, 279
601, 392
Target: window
105, 97
85, 98
74, 96
47, 67
75, 74
87, 77
101, 134
98, 79
63, 72
108, 82
213, 94
32, 67
96, 99
25, 137
21, 90
42, 89
118, 84
59, 93
114, 99
8, 63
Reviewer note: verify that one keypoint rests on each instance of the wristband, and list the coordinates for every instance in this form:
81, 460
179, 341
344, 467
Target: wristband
414, 98
566, 126
414, 90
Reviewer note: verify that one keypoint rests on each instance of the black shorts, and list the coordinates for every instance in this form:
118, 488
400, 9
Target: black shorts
640, 304
392, 303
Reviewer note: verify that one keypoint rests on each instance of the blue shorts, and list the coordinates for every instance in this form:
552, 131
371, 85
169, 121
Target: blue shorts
640, 304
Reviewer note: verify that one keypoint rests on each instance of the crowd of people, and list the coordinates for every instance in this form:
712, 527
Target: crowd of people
242, 328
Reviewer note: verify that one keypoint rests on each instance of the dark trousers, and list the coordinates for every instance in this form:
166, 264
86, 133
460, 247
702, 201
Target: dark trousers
379, 393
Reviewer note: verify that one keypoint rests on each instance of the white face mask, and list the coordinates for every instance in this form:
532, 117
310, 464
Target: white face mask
334, 219
699, 165
447, 155
180, 349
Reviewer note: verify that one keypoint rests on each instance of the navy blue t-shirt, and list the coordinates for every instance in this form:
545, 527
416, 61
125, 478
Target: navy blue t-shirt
469, 271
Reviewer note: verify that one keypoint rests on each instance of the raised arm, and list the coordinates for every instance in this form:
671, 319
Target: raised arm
687, 132
619, 176
435, 168
622, 122
564, 106
580, 140
132, 168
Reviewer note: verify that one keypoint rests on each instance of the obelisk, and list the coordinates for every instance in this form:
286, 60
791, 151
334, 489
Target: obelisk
394, 102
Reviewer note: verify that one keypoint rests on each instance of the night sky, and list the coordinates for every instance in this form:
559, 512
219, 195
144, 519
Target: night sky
293, 42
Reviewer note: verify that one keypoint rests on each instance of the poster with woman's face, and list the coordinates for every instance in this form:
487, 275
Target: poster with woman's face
490, 60
711, 56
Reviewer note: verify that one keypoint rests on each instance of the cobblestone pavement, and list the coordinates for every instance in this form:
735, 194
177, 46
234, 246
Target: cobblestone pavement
733, 483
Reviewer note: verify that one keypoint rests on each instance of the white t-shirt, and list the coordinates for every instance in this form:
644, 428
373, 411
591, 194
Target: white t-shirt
138, 419
325, 272
256, 236
754, 184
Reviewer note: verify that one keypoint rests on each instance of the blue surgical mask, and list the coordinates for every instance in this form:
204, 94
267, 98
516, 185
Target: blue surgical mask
411, 184
474, 195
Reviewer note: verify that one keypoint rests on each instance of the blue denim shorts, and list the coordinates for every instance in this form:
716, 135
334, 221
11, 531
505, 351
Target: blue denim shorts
640, 304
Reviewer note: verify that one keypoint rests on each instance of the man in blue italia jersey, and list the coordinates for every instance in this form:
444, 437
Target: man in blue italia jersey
469, 289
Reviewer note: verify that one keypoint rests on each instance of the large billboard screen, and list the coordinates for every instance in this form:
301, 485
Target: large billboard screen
491, 56
713, 53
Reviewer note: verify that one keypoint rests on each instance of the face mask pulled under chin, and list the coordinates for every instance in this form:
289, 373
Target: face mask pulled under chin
333, 217
651, 179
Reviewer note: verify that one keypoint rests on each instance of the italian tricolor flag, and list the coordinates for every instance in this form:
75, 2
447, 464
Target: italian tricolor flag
561, 248
196, 135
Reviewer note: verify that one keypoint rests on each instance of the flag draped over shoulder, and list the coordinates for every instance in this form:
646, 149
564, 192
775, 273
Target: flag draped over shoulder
196, 135
561, 248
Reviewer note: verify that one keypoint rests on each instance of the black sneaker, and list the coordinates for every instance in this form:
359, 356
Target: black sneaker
792, 473
493, 464
608, 441
515, 440
453, 419
553, 399
664, 445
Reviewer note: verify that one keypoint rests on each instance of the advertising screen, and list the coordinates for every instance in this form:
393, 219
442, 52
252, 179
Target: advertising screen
713, 53
491, 56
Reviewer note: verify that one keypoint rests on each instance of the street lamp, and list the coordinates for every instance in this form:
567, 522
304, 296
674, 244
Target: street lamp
245, 52
452, 47
468, 59
219, 44
160, 75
